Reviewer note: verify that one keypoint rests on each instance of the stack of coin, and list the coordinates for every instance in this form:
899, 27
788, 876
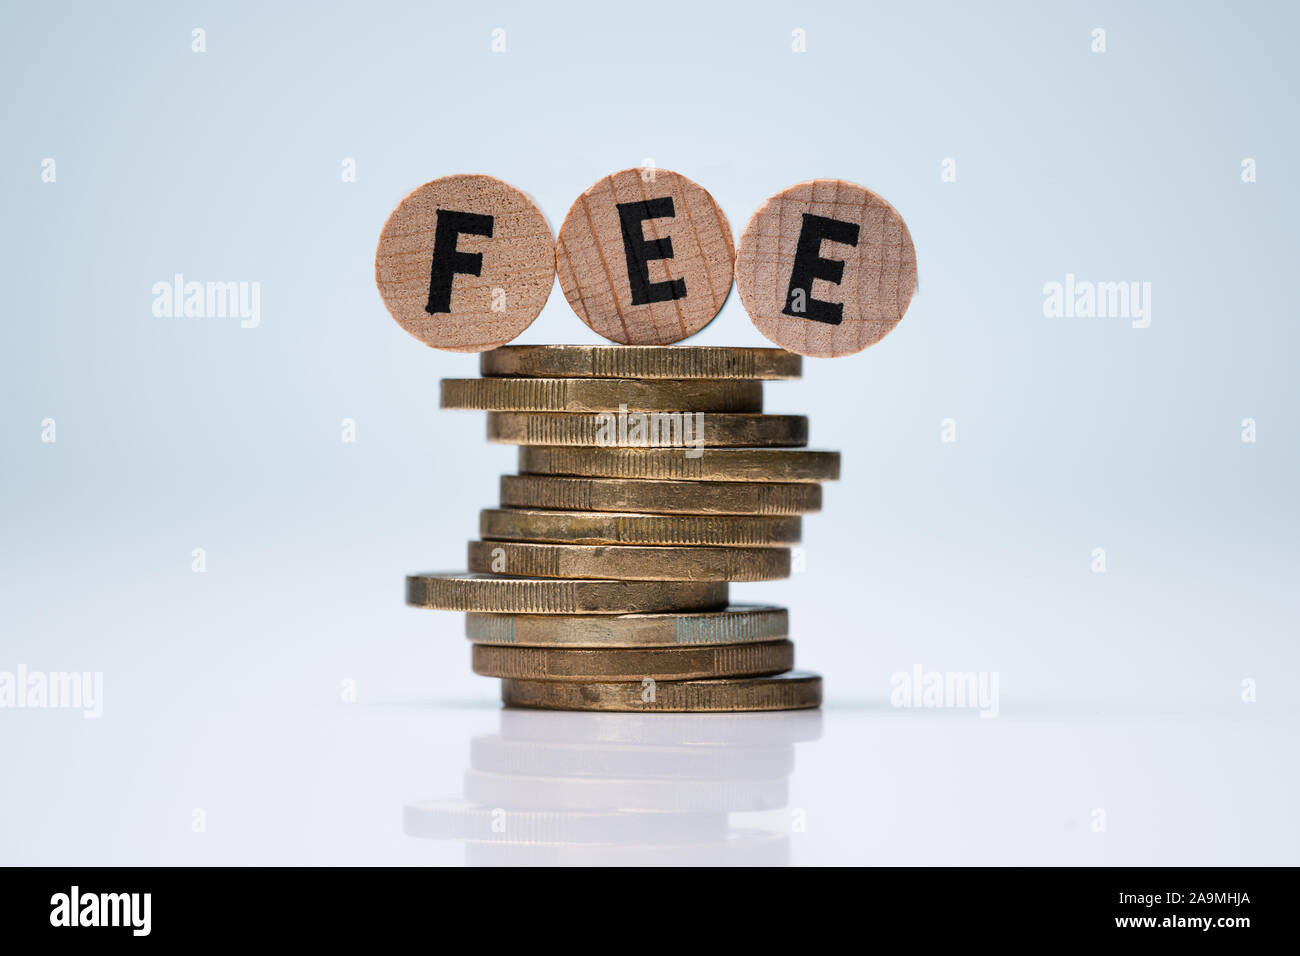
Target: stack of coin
649, 479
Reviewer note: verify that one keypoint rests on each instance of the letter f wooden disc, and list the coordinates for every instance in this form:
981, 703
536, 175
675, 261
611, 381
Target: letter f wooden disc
645, 257
465, 263
826, 268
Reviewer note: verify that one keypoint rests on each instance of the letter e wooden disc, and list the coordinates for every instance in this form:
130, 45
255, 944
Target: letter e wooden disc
826, 268
465, 263
645, 257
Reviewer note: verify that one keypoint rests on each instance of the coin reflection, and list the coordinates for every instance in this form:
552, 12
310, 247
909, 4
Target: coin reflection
556, 788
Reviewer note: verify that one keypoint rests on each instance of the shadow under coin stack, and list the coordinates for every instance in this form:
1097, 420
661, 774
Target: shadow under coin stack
649, 479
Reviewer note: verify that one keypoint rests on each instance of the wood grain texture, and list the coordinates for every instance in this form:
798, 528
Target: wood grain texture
592, 262
486, 310
879, 274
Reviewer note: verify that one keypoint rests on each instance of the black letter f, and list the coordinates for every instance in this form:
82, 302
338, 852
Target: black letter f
448, 260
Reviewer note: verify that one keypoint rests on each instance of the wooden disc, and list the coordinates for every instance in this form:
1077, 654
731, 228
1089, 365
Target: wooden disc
645, 257
465, 263
826, 268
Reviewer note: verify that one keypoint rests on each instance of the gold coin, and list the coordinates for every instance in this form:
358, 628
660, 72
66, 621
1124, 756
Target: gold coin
794, 690
458, 591
633, 663
629, 563
639, 361
683, 431
717, 464
659, 497
600, 394
738, 624
611, 527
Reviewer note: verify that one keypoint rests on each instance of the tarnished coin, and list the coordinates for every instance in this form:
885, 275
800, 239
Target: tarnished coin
459, 591
633, 663
795, 690
640, 361
648, 496
738, 624
683, 431
472, 822
717, 464
629, 562
611, 527
601, 394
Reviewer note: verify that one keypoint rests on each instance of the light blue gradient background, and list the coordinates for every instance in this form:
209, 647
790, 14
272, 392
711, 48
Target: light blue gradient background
221, 689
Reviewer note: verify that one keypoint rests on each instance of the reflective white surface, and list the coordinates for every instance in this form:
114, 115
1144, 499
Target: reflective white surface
420, 784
